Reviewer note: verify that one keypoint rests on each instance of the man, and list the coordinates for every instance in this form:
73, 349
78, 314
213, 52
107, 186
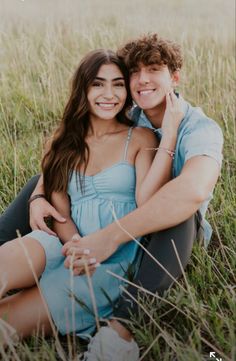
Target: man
173, 213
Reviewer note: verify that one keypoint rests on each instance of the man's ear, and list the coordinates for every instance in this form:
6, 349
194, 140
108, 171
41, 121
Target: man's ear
175, 76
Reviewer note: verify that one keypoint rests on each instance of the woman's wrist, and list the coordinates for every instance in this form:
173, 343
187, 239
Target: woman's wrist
168, 141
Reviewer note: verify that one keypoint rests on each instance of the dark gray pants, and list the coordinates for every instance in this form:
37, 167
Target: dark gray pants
150, 275
16, 216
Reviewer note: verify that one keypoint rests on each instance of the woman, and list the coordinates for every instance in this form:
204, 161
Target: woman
95, 169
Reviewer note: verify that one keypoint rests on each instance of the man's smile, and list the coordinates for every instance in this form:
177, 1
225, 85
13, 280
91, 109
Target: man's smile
145, 91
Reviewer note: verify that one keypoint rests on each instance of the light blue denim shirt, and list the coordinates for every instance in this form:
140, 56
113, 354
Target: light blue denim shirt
197, 135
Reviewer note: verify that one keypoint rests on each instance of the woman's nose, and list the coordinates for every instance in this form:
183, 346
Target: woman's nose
108, 92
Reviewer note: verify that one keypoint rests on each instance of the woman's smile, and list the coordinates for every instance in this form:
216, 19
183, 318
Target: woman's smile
106, 106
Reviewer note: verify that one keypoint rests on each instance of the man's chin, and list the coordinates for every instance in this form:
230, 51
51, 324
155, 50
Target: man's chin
149, 104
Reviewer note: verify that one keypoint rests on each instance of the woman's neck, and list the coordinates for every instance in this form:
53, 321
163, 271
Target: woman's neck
100, 127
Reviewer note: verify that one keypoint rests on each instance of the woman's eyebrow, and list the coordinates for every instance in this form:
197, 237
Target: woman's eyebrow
104, 79
119, 78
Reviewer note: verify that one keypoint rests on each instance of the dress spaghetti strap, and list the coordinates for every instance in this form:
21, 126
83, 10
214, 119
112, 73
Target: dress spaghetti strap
127, 143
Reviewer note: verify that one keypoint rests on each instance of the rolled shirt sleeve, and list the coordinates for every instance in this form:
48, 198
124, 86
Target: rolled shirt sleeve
205, 138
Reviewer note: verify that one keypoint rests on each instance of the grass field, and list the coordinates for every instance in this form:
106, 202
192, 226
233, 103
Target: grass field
41, 42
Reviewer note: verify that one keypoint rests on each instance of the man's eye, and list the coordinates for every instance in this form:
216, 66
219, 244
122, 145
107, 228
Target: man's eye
133, 70
154, 68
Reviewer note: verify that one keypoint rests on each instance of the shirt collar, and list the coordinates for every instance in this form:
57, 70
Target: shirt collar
143, 119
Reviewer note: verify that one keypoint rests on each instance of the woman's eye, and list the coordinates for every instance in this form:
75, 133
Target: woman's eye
97, 84
120, 85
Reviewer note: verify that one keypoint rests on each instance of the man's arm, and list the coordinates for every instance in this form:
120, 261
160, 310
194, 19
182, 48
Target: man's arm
41, 208
175, 202
39, 189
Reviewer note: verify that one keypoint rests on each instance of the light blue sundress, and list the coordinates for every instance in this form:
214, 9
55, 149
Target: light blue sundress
107, 193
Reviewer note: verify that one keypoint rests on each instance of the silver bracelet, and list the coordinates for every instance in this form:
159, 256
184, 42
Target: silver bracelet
168, 151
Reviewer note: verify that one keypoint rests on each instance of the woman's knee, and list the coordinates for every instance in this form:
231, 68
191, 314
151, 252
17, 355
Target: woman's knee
21, 253
8, 250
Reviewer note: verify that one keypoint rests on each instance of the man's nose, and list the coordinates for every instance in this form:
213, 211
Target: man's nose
143, 77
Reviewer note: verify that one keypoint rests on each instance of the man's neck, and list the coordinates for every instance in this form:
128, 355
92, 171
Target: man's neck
156, 115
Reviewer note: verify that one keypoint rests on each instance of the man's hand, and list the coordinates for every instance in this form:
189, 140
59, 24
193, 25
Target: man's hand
40, 209
86, 249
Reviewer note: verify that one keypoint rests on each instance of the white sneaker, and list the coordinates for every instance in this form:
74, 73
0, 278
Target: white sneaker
107, 345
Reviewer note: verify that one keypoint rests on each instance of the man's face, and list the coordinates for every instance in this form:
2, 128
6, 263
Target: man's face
150, 83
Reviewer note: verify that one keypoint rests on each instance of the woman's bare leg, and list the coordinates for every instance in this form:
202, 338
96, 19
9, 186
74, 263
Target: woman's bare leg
26, 313
17, 258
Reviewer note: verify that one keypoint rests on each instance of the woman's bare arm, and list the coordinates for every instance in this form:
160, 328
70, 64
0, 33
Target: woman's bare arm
65, 231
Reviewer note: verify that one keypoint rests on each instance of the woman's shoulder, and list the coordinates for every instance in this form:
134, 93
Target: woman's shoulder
144, 135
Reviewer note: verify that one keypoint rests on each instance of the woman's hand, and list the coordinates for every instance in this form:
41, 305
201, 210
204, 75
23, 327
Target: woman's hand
40, 209
173, 115
87, 249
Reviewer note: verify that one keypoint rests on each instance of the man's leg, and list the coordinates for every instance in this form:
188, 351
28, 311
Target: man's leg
16, 216
152, 276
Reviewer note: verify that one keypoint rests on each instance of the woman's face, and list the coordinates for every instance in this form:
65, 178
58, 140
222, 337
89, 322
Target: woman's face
107, 93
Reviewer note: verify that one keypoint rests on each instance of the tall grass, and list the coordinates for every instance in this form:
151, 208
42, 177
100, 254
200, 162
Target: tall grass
41, 42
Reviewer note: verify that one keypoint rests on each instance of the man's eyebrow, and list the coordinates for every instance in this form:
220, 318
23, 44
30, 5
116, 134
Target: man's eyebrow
115, 79
156, 64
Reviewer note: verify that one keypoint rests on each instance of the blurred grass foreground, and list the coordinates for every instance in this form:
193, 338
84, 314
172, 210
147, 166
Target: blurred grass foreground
41, 42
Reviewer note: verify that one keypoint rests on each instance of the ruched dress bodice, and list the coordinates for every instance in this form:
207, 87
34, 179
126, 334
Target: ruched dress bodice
105, 196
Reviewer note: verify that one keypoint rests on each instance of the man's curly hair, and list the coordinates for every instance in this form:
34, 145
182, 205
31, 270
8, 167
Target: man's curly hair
151, 49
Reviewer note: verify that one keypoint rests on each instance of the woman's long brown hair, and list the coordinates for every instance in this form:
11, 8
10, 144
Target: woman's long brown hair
68, 150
